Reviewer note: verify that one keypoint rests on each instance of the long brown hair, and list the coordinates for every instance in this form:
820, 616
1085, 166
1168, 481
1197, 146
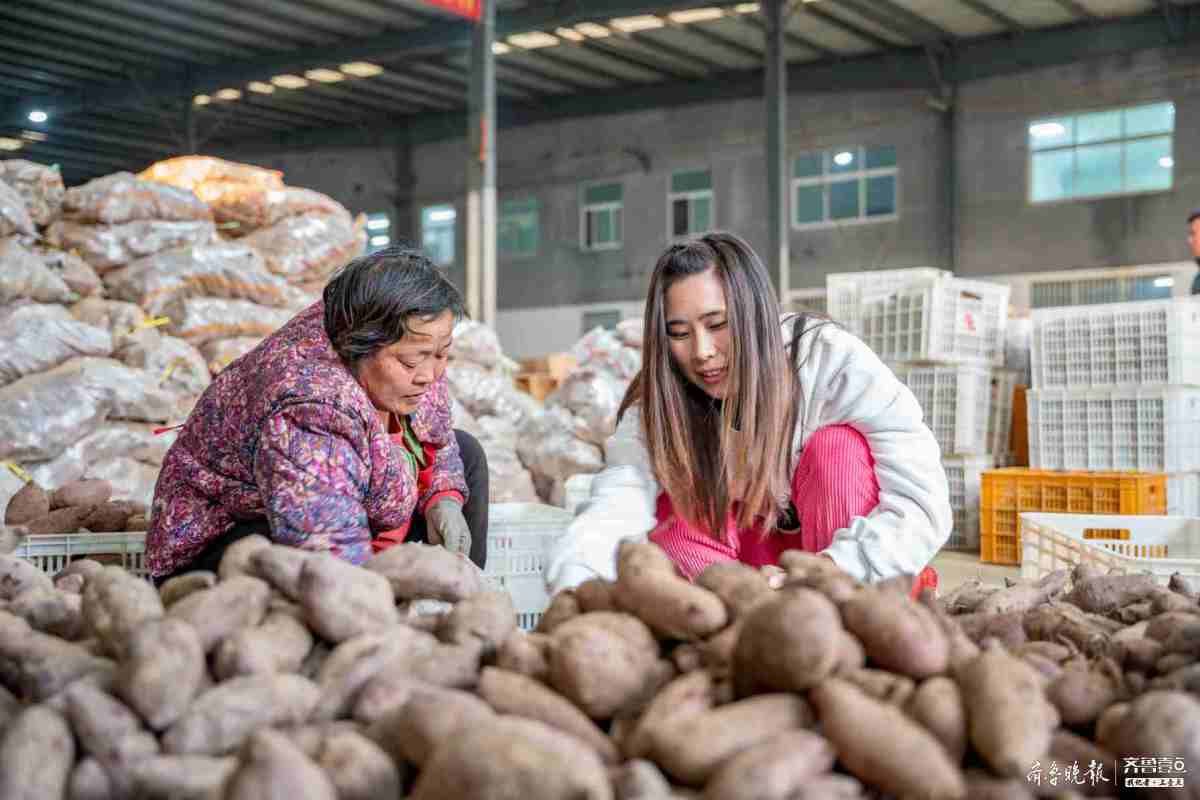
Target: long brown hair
700, 448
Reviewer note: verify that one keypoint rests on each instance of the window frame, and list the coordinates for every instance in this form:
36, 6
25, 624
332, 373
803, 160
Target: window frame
1074, 147
862, 175
537, 246
690, 195
610, 206
453, 224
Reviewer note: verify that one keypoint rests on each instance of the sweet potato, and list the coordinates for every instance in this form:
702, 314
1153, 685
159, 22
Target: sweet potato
279, 644
1052, 651
163, 671
685, 696
1136, 612
595, 595
1106, 594
638, 780
10, 706
938, 705
90, 781
885, 686
1010, 721
453, 666
693, 747
105, 727
687, 657
962, 647
29, 503
740, 587
788, 643
1024, 596
51, 611
525, 653
341, 600
221, 611
1181, 584
356, 661
1185, 678
80, 566
417, 571
175, 589
985, 786
280, 566
633, 555
71, 584
272, 768
37, 752
878, 744
80, 493
563, 606
833, 786
1159, 723
1082, 694
775, 770
360, 770
1068, 748
967, 596
410, 732
138, 522
236, 558
1185, 640
115, 605
64, 520
717, 651
597, 668
1008, 629
180, 777
387, 690
108, 517
18, 575
669, 604
222, 718
1056, 622
897, 633
1164, 625
486, 617
526, 759
36, 665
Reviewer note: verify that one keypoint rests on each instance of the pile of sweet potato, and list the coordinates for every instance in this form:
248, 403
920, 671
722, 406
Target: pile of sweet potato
82, 505
290, 674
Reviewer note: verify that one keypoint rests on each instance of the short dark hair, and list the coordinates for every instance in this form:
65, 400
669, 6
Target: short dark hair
1195, 215
368, 301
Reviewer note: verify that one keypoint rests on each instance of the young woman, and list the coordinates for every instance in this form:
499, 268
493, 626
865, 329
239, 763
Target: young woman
742, 437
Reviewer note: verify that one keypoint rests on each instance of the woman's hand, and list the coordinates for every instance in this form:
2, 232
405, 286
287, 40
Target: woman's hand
448, 527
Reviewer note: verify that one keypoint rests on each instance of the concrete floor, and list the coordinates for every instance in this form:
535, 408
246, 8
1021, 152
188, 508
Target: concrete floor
954, 568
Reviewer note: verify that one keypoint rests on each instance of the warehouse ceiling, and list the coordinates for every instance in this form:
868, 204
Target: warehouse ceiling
101, 85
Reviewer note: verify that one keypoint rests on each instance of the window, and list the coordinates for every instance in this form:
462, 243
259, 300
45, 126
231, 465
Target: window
518, 231
600, 226
600, 319
437, 233
1090, 291
691, 203
848, 185
1118, 151
379, 235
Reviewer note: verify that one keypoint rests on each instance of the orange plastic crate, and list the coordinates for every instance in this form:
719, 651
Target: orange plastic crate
1007, 492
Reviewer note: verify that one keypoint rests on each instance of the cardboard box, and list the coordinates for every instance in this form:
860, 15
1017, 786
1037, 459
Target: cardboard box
556, 365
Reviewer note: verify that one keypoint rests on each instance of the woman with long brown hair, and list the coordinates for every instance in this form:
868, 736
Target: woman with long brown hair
743, 437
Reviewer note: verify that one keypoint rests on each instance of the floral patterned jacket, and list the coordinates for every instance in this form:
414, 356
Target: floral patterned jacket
286, 433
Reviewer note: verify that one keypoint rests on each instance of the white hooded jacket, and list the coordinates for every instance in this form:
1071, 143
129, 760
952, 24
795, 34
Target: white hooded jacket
842, 382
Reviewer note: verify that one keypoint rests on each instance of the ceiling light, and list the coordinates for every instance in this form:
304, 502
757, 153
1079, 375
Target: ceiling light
229, 94
442, 215
362, 69
696, 15
569, 34
379, 241
201, 100
593, 30
1164, 283
532, 40
1166, 162
844, 158
378, 224
325, 75
33, 136
1047, 130
10, 144
500, 48
260, 87
642, 22
289, 81
38, 116
746, 8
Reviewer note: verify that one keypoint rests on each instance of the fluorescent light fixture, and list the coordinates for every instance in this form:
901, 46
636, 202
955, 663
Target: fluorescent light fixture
569, 34
33, 136
378, 224
442, 215
1046, 130
289, 81
593, 30
532, 40
1166, 162
696, 15
38, 116
324, 75
746, 8
201, 100
844, 158
379, 241
500, 48
1164, 282
260, 87
642, 22
362, 69
10, 144
229, 94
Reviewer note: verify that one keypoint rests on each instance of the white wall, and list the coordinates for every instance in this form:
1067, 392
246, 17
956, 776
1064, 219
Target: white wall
531, 332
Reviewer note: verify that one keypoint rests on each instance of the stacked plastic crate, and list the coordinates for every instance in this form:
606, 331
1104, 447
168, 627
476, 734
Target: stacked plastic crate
945, 338
1117, 388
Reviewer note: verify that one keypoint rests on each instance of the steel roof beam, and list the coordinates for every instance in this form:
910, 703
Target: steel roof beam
845, 26
1077, 10
982, 8
891, 15
756, 21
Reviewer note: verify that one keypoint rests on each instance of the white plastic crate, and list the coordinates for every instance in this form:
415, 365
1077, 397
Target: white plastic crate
949, 320
1120, 344
956, 400
1183, 494
1153, 429
519, 538
577, 489
1132, 544
964, 475
845, 292
52, 552
1000, 415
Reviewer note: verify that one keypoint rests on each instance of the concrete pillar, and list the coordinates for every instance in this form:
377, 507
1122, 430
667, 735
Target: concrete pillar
775, 92
481, 171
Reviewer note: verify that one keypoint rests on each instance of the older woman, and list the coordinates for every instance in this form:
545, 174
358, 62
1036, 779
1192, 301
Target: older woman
333, 434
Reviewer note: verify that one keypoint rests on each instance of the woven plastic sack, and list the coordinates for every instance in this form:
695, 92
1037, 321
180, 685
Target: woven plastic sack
463, 420
14, 216
206, 319
476, 343
508, 479
179, 366
24, 275
187, 172
35, 337
497, 431
10, 484
246, 207
308, 247
40, 186
76, 273
548, 446
137, 441
130, 479
122, 197
629, 331
221, 353
216, 269
107, 247
490, 393
593, 399
600, 349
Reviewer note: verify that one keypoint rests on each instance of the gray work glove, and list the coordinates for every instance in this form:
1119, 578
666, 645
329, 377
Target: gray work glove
448, 527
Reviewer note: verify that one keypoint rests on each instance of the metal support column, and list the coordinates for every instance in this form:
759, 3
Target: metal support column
481, 171
775, 91
950, 121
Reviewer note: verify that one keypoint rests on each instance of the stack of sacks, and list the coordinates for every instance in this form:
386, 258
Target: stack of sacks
39, 186
488, 406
